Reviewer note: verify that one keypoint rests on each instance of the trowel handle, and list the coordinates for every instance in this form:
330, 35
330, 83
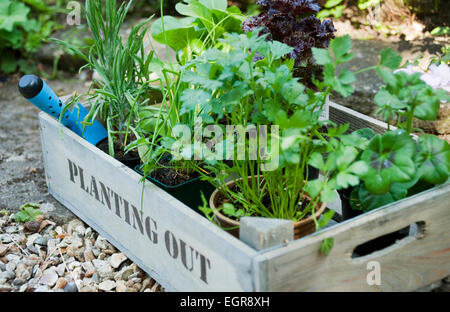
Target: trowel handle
35, 90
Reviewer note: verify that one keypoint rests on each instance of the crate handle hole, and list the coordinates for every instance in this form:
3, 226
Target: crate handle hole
415, 230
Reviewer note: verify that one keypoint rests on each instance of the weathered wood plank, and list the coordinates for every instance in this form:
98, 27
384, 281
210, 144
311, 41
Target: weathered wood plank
175, 245
411, 263
341, 115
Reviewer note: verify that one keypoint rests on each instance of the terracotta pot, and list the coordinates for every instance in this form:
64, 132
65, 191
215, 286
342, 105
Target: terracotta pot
301, 228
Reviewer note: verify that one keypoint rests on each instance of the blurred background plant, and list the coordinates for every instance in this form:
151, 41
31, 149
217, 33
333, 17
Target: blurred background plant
24, 26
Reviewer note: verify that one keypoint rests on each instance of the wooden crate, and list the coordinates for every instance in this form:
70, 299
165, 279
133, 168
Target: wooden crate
183, 251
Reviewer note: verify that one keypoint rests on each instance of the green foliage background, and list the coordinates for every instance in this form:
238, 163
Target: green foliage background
24, 25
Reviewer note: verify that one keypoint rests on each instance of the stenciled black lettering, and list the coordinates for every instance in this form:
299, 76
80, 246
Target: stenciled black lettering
105, 195
183, 255
204, 262
151, 234
137, 217
82, 179
73, 171
171, 244
126, 210
94, 188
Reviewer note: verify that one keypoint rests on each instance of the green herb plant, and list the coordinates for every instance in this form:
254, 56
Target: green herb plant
27, 212
397, 165
251, 85
125, 86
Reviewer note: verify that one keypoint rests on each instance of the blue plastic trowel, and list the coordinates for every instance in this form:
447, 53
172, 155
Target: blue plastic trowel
35, 90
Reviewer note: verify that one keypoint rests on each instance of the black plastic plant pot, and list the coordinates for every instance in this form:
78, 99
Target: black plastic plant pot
347, 211
188, 192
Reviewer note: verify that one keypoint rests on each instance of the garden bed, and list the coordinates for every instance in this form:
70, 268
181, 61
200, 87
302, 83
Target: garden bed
184, 251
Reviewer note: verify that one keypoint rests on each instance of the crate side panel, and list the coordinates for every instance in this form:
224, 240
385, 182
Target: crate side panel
341, 115
181, 249
411, 263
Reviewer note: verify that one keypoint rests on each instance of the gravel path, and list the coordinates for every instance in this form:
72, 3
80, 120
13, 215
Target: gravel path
42, 256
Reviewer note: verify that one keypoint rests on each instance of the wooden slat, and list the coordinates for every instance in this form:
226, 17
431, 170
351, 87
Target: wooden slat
411, 263
226, 260
341, 115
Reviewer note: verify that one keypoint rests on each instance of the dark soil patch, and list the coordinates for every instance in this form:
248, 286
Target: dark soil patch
130, 159
169, 175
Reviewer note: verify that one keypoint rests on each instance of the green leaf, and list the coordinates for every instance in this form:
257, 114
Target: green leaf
321, 56
327, 245
214, 4
387, 76
341, 47
440, 31
384, 99
390, 59
325, 218
370, 201
194, 99
27, 212
433, 159
229, 210
316, 160
179, 32
12, 13
391, 159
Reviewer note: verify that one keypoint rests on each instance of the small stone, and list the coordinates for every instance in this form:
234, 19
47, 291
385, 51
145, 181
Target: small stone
98, 263
95, 278
100, 243
11, 229
71, 266
124, 274
60, 269
33, 226
59, 230
73, 224
49, 277
7, 275
2, 266
117, 259
42, 288
61, 283
23, 288
137, 287
106, 272
121, 286
87, 266
25, 275
3, 249
71, 287
18, 282
136, 279
107, 285
88, 255
80, 229
33, 249
32, 238
96, 251
147, 283
89, 273
41, 241
102, 256
11, 266
12, 257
